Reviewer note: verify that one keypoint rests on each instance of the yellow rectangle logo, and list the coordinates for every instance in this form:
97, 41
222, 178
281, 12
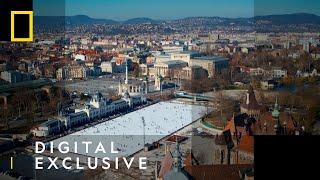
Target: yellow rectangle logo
30, 38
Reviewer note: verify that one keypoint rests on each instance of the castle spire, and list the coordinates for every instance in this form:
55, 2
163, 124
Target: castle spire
126, 81
276, 110
276, 117
177, 157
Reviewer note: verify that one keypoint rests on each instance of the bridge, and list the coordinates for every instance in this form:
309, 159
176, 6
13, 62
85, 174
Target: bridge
197, 97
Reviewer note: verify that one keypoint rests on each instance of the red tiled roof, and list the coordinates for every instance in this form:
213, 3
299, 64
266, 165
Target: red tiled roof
221, 172
266, 119
231, 126
247, 144
166, 165
175, 138
190, 160
253, 103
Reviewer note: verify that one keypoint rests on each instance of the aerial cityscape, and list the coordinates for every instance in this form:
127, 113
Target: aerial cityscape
175, 91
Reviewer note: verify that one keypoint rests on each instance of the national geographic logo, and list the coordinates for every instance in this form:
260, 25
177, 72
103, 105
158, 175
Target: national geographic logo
16, 20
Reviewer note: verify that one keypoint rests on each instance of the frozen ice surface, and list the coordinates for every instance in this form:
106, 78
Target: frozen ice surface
161, 119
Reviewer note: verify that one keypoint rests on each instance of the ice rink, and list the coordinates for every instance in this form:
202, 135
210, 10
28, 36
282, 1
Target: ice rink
161, 120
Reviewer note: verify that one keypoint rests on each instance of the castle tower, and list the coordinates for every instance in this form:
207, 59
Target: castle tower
251, 105
177, 171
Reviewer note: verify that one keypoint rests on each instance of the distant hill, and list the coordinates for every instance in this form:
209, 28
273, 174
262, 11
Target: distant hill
297, 18
299, 22
284, 19
212, 21
142, 20
82, 19
71, 20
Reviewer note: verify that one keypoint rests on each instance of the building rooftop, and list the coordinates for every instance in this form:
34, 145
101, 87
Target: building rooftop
77, 114
188, 52
49, 122
173, 62
166, 165
251, 102
230, 172
211, 58
266, 124
247, 144
180, 175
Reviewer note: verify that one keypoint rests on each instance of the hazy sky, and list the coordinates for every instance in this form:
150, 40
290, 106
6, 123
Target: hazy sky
173, 9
